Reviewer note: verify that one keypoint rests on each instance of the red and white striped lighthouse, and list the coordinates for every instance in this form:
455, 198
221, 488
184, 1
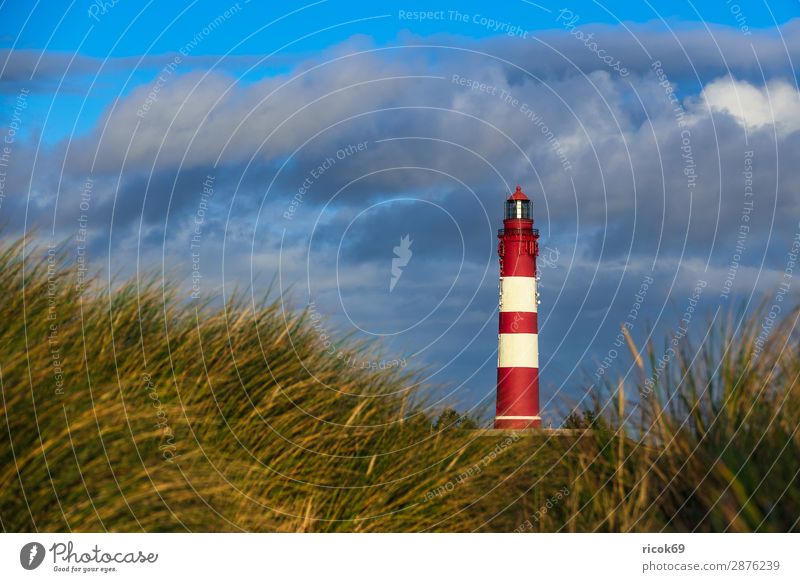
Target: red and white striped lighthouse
518, 349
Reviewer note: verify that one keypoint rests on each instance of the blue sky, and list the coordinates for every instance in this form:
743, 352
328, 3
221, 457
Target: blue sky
299, 29
134, 28
637, 129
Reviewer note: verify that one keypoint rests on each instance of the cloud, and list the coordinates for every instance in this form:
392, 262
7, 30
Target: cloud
40, 70
46, 71
777, 103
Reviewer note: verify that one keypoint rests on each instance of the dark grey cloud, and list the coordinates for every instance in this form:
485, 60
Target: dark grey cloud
45, 71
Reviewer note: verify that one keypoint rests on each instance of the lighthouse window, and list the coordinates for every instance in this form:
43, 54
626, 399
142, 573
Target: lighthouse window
518, 209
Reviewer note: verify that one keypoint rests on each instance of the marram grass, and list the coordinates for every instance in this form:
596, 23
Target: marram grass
128, 408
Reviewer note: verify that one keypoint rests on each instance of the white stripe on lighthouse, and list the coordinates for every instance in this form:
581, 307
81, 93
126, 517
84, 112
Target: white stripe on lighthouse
518, 294
518, 350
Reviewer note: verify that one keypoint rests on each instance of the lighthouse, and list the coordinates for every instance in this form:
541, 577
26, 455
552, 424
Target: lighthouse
518, 343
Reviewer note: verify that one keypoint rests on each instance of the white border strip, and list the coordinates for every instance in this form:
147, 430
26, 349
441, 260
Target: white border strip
231, 556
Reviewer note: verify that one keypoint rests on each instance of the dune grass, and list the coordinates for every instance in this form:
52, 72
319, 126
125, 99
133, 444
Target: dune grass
128, 408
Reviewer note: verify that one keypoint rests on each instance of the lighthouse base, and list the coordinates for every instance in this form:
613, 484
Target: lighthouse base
517, 398
517, 422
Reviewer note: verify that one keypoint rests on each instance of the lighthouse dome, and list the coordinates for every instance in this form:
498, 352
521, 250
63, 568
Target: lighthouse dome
518, 205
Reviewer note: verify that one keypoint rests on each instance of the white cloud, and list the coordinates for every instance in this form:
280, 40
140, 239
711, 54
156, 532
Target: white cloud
777, 103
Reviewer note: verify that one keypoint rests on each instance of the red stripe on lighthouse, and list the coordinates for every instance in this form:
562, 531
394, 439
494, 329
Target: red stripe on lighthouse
517, 398
515, 265
518, 322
